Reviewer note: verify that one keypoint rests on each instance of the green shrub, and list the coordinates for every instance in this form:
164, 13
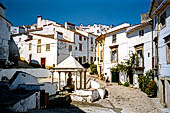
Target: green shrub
143, 82
93, 68
151, 89
126, 84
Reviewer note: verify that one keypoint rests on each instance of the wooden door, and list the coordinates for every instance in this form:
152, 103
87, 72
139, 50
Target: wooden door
43, 62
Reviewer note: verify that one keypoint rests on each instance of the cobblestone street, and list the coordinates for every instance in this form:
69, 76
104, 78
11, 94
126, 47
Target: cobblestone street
120, 100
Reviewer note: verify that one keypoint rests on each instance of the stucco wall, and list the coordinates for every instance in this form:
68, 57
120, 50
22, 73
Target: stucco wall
4, 36
165, 68
26, 104
39, 73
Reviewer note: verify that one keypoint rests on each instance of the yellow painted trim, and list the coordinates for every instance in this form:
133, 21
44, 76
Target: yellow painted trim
103, 54
48, 67
22, 58
98, 52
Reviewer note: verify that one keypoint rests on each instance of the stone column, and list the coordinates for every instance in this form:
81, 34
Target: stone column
80, 80
110, 77
52, 77
59, 81
65, 79
84, 79
76, 82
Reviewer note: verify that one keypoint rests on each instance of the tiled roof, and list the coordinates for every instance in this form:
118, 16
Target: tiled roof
47, 36
70, 63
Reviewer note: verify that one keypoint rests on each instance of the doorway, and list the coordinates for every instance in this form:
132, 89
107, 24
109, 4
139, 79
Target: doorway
43, 61
80, 60
30, 57
115, 77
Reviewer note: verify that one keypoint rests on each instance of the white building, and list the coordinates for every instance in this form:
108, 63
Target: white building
117, 45
112, 48
96, 29
4, 35
159, 12
140, 42
49, 43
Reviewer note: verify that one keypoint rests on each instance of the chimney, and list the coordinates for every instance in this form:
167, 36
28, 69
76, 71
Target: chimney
66, 26
39, 21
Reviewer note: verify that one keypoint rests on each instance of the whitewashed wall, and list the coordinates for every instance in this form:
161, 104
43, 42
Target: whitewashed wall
23, 78
134, 39
122, 41
165, 68
26, 104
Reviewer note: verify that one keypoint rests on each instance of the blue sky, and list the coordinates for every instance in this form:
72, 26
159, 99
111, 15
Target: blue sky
107, 12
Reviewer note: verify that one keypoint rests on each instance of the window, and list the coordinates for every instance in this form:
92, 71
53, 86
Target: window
39, 41
101, 55
168, 53
113, 38
91, 40
84, 58
47, 47
140, 58
98, 31
91, 59
141, 33
30, 46
59, 35
70, 48
163, 20
75, 48
80, 47
114, 55
84, 38
91, 48
80, 38
38, 48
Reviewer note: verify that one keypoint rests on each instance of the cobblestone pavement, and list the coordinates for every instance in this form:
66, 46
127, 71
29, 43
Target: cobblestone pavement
129, 100
120, 100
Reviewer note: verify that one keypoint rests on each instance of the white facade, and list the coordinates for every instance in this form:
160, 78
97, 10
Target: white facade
23, 78
96, 29
117, 45
61, 41
4, 35
161, 37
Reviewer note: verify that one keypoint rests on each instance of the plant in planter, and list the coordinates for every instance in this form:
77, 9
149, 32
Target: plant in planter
143, 82
126, 84
151, 89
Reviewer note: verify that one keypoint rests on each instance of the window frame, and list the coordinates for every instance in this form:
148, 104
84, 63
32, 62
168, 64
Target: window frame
91, 40
116, 60
141, 32
30, 46
139, 48
37, 48
39, 41
47, 48
80, 47
168, 52
80, 38
84, 58
59, 34
114, 38
70, 48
